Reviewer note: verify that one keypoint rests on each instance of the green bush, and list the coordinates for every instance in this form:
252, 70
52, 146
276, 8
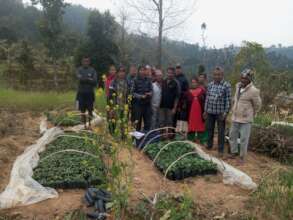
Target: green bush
285, 130
263, 120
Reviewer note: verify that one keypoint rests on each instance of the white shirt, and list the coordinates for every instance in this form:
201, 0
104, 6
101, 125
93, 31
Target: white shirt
157, 95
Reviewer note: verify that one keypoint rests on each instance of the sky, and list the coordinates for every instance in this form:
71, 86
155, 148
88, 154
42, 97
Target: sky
268, 22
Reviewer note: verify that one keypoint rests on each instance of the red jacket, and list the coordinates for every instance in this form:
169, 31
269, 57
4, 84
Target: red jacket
108, 82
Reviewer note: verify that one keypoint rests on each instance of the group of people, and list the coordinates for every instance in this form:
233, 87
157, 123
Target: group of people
152, 99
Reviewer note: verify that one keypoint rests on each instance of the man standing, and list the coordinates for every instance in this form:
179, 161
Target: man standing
156, 99
247, 103
87, 77
182, 113
142, 94
170, 98
217, 107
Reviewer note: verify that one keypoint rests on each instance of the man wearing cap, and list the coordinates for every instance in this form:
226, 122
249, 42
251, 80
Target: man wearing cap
247, 103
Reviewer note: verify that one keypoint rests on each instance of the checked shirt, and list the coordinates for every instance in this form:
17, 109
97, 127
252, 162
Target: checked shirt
218, 100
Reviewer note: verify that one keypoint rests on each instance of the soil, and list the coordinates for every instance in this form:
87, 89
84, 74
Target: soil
213, 197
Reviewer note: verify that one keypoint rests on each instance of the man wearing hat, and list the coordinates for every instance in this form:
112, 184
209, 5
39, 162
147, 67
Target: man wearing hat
247, 103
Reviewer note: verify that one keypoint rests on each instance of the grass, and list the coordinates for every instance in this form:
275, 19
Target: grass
43, 101
263, 120
274, 196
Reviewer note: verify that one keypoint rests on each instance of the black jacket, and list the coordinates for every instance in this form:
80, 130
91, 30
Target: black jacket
170, 93
184, 86
141, 86
182, 107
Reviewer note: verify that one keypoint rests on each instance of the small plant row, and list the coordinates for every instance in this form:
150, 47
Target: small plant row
191, 165
69, 170
66, 119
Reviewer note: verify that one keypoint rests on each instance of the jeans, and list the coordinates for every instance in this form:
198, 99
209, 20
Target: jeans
166, 117
242, 129
211, 122
142, 113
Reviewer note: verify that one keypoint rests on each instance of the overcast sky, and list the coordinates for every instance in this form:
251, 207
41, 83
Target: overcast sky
229, 21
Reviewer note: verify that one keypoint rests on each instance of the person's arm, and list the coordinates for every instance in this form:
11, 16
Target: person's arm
256, 102
206, 99
186, 85
95, 78
227, 99
150, 89
178, 94
134, 91
202, 99
92, 80
79, 76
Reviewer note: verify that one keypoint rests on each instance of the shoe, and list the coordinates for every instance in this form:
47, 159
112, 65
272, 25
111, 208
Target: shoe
209, 148
240, 162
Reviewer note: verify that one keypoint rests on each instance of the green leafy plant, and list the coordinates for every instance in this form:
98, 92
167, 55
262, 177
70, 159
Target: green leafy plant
64, 118
61, 169
166, 207
190, 165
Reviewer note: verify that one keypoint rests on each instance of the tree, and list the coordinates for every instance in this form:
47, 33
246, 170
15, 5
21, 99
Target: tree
51, 29
122, 39
163, 16
100, 45
252, 55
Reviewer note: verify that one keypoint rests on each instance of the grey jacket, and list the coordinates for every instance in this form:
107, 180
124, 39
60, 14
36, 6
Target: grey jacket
87, 78
246, 104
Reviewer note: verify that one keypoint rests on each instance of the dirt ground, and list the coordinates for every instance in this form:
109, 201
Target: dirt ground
209, 192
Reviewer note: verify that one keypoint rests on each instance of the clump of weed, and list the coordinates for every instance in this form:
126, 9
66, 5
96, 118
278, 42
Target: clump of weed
274, 196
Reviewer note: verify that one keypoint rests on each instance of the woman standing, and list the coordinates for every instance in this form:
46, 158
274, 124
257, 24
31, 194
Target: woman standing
196, 124
109, 78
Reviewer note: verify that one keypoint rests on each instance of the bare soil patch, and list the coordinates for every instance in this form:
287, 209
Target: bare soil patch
213, 197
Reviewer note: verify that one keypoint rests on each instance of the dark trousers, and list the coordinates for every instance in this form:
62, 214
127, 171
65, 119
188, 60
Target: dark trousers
211, 122
142, 113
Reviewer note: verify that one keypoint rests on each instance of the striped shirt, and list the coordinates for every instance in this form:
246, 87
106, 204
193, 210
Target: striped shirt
218, 100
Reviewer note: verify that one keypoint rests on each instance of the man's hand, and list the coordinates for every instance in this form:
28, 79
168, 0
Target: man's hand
148, 94
143, 96
223, 116
174, 111
205, 115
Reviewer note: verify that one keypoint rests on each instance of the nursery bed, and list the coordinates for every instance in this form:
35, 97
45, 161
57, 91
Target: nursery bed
189, 166
70, 169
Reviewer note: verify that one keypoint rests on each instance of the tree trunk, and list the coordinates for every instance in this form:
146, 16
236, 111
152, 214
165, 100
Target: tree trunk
55, 74
123, 46
160, 38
